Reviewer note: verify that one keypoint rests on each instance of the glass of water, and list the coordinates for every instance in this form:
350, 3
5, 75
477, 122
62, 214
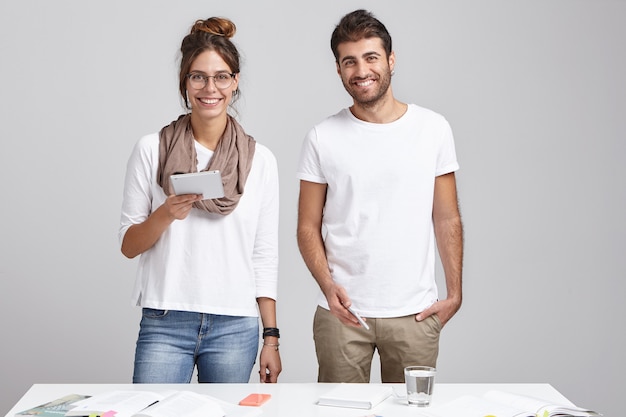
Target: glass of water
419, 384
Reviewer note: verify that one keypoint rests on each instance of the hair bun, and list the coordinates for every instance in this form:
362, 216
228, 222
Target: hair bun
215, 26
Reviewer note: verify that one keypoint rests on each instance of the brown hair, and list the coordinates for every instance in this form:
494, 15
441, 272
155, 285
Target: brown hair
212, 34
357, 25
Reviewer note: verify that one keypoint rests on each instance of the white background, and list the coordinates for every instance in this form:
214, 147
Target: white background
536, 96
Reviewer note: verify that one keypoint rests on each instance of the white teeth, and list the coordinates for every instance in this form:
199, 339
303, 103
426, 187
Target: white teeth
208, 101
365, 83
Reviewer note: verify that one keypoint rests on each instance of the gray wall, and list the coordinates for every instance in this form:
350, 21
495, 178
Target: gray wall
534, 91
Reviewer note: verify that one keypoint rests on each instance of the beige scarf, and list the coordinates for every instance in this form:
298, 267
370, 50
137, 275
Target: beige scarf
232, 157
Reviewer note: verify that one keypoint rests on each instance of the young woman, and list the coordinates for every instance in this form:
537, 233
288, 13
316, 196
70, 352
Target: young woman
207, 267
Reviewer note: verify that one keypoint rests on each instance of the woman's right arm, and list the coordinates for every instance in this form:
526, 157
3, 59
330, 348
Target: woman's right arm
142, 236
140, 226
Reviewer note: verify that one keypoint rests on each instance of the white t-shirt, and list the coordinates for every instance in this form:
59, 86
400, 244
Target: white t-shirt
207, 262
377, 220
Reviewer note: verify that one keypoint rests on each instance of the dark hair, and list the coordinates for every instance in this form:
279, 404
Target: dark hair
357, 25
212, 34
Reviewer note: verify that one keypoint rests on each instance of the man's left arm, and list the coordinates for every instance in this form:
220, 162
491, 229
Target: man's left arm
449, 235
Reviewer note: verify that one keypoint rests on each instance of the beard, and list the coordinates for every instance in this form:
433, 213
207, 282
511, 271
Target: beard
369, 98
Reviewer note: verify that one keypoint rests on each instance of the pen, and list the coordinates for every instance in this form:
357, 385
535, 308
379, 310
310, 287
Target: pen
358, 317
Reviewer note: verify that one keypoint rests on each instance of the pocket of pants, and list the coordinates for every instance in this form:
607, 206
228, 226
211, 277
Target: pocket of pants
153, 313
432, 327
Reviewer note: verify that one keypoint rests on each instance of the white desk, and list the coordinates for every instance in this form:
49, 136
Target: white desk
288, 399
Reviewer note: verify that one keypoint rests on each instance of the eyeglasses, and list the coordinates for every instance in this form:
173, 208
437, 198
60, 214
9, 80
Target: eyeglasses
222, 80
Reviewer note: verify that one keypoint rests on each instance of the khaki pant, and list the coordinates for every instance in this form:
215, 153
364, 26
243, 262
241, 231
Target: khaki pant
344, 353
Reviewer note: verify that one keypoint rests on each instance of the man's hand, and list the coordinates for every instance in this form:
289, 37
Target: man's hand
338, 301
444, 309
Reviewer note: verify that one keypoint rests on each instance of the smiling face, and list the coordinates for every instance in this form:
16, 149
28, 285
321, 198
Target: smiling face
365, 70
210, 102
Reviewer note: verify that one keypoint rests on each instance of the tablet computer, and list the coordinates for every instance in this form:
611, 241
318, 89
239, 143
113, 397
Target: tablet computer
207, 183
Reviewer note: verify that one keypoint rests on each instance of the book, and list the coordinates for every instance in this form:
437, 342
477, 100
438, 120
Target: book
158, 404
54, 408
355, 395
505, 404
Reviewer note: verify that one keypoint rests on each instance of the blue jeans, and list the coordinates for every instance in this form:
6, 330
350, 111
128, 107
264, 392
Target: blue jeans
171, 343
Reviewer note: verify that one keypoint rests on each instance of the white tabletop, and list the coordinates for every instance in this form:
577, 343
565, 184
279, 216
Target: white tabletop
288, 399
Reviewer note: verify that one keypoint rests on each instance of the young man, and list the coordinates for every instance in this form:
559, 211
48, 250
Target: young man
377, 193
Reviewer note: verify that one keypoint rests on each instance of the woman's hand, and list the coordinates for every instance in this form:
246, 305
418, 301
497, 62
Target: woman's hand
270, 361
177, 207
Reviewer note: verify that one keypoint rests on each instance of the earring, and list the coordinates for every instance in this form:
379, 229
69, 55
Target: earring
393, 72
